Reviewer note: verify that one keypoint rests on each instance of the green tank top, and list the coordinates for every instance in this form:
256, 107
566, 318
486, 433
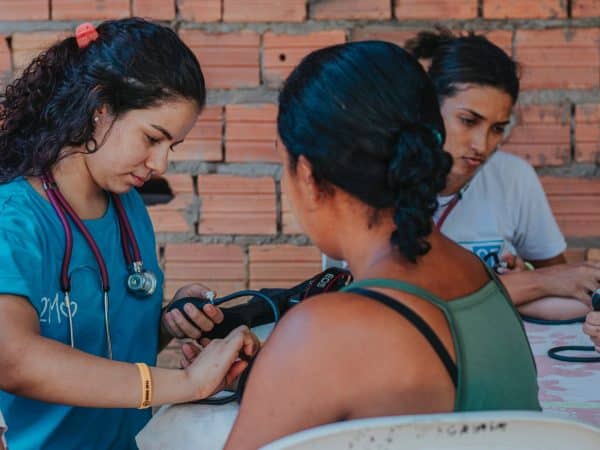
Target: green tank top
495, 367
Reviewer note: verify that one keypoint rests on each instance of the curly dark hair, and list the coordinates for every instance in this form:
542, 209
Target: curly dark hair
366, 116
134, 64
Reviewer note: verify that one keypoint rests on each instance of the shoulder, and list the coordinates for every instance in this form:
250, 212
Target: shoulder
507, 174
16, 208
508, 166
335, 330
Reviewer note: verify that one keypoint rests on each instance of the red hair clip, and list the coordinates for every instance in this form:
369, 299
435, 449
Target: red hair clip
84, 34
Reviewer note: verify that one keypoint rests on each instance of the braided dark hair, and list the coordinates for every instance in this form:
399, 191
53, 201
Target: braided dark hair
366, 116
471, 58
134, 64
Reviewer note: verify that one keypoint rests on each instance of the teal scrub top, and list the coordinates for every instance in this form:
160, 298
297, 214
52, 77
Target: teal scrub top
32, 244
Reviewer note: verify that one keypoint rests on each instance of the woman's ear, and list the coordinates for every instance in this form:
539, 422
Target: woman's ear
313, 191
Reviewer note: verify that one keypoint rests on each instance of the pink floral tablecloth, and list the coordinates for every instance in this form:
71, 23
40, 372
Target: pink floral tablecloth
566, 389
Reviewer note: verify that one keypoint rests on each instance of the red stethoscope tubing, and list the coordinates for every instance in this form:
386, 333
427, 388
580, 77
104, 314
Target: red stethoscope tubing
63, 209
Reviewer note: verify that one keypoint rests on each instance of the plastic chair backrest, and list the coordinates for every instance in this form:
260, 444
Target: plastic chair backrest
497, 430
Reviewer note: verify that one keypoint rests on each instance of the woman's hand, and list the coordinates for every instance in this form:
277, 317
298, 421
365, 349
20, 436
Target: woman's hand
176, 325
572, 280
591, 327
219, 363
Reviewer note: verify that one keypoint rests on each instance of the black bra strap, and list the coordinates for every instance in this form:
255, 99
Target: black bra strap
419, 323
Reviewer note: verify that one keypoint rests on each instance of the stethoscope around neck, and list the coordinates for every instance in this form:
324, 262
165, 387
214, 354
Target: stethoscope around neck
140, 282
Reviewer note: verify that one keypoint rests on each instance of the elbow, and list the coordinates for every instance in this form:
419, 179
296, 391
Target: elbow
13, 373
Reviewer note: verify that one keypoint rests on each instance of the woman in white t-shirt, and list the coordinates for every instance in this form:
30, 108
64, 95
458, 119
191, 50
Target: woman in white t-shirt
493, 203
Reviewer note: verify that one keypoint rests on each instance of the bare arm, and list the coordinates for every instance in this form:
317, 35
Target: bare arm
553, 278
330, 360
292, 386
40, 368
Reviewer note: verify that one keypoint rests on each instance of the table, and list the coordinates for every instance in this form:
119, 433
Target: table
567, 390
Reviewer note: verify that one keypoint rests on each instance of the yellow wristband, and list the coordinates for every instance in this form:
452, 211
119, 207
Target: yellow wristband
146, 378
529, 266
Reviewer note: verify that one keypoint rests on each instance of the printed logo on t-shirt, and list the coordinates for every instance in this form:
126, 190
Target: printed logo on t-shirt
488, 251
54, 309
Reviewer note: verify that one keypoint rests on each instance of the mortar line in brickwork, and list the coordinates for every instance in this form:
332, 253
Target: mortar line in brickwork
572, 125
223, 134
246, 266
278, 207
513, 45
11, 56
324, 25
199, 199
261, 59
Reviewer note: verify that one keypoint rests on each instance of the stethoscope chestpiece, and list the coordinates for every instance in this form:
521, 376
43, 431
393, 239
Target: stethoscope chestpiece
140, 282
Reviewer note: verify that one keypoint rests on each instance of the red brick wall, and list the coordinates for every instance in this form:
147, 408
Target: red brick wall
229, 225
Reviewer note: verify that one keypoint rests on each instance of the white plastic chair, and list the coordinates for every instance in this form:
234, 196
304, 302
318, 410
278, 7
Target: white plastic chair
497, 430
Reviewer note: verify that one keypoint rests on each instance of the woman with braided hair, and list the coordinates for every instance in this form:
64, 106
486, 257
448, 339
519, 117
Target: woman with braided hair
425, 327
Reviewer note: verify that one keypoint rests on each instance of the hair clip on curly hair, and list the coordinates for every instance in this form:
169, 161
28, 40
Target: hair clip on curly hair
85, 33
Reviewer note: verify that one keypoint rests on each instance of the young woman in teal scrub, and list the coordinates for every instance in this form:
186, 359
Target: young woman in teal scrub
91, 118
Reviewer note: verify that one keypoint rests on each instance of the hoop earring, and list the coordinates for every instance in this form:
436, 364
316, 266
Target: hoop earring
91, 145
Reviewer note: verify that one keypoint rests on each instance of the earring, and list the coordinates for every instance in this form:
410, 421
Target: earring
96, 119
91, 145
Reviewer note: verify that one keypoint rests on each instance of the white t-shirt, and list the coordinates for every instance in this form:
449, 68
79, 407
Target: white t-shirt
3, 428
503, 209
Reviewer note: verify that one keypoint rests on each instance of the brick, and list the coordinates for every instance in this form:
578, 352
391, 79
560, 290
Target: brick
587, 133
264, 10
236, 205
179, 215
383, 33
525, 9
575, 255
26, 46
228, 60
541, 134
282, 265
154, 9
200, 10
5, 63
204, 142
351, 9
290, 224
24, 10
251, 133
218, 267
559, 59
89, 9
575, 203
283, 52
501, 38
593, 254
435, 9
585, 8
